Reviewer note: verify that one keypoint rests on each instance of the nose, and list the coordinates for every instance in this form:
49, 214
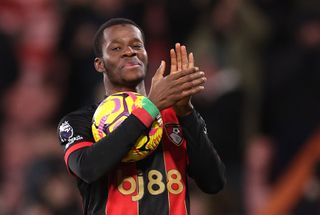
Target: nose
129, 51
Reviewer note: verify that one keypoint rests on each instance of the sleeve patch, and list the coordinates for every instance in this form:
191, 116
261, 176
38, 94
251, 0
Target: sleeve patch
66, 134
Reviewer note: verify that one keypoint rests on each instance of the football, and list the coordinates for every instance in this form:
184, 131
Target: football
113, 110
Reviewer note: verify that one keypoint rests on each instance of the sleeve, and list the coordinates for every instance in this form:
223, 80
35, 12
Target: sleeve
88, 160
205, 165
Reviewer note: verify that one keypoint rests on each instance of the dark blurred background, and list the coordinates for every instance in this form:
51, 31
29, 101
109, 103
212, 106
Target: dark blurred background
261, 103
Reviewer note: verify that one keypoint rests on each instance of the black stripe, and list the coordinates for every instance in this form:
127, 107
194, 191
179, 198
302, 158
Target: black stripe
153, 204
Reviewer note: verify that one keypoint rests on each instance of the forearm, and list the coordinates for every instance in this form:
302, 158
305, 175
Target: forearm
205, 165
92, 162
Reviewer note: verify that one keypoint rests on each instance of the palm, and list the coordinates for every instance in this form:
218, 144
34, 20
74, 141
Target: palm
180, 60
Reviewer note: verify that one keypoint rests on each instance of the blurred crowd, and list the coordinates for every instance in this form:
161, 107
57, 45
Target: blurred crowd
261, 103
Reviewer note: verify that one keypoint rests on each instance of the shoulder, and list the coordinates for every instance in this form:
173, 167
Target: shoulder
82, 113
76, 124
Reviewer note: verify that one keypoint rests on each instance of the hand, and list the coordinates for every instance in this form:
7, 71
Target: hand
180, 61
167, 91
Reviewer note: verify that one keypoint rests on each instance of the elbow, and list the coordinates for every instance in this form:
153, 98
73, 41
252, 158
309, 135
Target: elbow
210, 182
85, 168
214, 186
88, 175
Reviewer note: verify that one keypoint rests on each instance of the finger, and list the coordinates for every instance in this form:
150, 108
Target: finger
183, 73
178, 53
194, 83
173, 59
184, 57
191, 60
190, 81
160, 71
192, 91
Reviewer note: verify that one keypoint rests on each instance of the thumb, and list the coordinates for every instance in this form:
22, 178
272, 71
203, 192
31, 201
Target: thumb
160, 71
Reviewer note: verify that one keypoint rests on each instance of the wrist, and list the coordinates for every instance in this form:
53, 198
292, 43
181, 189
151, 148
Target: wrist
150, 107
147, 112
183, 110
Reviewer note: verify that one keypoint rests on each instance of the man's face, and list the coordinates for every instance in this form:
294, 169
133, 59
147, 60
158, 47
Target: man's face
124, 55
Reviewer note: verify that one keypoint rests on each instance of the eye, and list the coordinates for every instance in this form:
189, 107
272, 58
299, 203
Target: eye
137, 46
117, 48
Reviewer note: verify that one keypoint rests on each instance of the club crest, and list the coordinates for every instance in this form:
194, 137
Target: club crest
174, 132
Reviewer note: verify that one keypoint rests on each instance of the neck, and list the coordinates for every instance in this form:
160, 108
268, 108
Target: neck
140, 88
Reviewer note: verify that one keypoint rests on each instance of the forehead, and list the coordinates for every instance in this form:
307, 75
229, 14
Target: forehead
122, 32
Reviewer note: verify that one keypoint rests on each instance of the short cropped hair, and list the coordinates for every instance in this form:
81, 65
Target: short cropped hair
98, 38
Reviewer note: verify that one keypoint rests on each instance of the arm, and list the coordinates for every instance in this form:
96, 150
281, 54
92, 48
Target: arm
90, 163
205, 166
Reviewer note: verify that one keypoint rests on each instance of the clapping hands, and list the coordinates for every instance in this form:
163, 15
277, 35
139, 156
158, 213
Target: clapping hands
176, 89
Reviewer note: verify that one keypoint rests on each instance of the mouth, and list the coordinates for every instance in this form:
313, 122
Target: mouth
131, 64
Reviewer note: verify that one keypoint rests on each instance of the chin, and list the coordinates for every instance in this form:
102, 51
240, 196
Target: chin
132, 77
135, 77
134, 82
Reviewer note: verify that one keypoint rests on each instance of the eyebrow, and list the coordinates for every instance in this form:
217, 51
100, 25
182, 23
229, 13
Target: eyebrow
120, 40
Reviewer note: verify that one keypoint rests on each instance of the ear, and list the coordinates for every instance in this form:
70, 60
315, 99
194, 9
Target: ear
98, 64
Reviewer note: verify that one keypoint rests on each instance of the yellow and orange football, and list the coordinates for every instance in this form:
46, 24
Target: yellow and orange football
113, 110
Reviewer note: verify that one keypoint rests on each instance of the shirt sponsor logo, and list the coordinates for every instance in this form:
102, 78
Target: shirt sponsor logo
156, 183
174, 133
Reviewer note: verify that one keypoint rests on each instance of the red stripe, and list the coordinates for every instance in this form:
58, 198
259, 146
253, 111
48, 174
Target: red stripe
123, 202
175, 158
74, 148
143, 116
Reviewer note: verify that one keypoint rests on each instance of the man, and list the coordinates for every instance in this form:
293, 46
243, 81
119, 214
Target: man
158, 183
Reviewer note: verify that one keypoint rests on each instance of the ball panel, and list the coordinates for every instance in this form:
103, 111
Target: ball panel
112, 126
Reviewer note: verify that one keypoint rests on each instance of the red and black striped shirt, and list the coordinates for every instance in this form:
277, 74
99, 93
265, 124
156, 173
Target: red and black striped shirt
154, 185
